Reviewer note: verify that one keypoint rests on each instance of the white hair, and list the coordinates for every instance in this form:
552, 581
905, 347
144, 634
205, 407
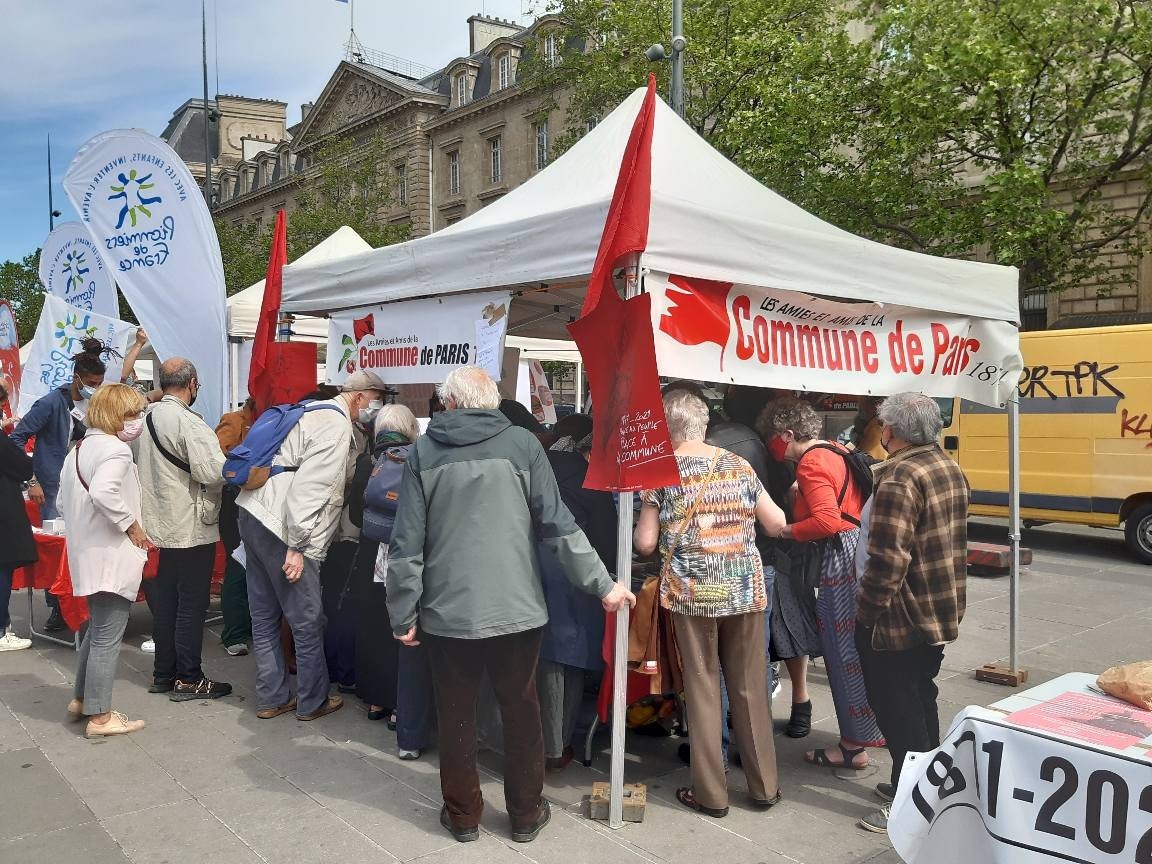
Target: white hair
469, 387
912, 417
397, 418
687, 416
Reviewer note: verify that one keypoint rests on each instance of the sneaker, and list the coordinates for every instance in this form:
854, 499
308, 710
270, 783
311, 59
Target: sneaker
186, 691
161, 685
237, 650
776, 685
876, 822
408, 755
886, 792
11, 642
148, 646
118, 724
55, 622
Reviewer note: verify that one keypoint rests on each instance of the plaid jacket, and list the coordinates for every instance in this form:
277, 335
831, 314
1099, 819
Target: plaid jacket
912, 590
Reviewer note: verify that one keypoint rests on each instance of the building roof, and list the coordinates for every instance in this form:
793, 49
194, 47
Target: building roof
185, 132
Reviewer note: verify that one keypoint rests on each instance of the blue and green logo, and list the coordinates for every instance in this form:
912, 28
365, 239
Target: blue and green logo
131, 190
74, 269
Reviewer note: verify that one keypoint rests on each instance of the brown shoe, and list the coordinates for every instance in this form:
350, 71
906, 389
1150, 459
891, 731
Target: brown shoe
118, 724
76, 710
334, 703
269, 713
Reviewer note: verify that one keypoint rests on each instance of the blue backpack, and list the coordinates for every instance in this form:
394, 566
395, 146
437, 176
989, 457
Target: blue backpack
382, 495
249, 464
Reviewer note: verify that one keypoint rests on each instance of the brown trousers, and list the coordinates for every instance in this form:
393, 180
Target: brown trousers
736, 645
458, 667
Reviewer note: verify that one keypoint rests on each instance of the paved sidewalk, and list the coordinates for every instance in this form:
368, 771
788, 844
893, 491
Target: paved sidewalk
207, 782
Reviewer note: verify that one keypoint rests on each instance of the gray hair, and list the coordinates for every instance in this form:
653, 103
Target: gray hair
469, 387
397, 418
912, 417
176, 374
791, 415
687, 416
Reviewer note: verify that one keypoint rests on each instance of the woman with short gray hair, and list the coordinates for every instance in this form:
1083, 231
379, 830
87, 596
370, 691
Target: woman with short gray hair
827, 511
713, 583
912, 417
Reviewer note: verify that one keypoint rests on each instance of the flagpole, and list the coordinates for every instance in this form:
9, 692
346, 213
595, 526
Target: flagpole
51, 208
207, 111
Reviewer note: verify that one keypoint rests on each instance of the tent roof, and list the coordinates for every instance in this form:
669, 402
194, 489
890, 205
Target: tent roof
244, 306
709, 219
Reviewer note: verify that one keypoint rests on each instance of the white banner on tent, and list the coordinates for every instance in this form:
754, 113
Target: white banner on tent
994, 793
72, 268
717, 331
146, 214
419, 341
61, 329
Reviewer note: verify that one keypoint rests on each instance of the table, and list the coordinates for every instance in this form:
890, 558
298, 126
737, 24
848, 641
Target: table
1059, 772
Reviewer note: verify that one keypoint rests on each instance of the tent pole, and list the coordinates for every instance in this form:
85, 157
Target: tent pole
579, 387
235, 356
620, 663
1014, 531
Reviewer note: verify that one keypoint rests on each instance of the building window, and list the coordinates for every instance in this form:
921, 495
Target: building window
495, 147
504, 67
592, 123
551, 50
461, 89
401, 172
541, 144
454, 172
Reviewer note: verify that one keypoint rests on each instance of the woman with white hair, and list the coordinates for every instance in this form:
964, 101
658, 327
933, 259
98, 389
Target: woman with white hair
712, 581
827, 511
396, 685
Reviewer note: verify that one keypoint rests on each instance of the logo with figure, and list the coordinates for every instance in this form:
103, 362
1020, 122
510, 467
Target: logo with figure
74, 329
131, 190
74, 270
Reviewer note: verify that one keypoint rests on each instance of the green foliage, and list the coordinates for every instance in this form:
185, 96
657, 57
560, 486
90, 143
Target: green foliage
20, 284
244, 249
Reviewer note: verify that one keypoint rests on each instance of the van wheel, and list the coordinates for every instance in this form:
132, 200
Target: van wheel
1138, 532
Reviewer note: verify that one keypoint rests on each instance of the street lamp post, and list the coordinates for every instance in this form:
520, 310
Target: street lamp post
679, 43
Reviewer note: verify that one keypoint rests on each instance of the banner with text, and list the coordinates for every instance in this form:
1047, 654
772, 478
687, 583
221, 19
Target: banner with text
9, 355
147, 216
419, 341
58, 336
717, 331
998, 794
72, 268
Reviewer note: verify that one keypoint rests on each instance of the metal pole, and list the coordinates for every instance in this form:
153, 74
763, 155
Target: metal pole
51, 208
678, 57
620, 669
1014, 529
207, 110
579, 387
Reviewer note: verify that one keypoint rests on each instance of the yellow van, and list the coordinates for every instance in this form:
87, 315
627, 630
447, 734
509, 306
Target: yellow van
1085, 434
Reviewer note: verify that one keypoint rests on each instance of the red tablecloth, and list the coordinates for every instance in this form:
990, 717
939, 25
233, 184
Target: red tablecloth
51, 572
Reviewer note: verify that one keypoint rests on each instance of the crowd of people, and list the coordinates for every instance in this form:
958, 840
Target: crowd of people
430, 574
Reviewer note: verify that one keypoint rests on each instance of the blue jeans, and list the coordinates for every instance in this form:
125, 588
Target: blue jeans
769, 582
5, 594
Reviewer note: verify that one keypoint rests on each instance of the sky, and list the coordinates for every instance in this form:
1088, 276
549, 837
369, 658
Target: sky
74, 68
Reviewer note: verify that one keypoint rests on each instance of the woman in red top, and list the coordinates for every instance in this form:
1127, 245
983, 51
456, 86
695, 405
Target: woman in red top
827, 510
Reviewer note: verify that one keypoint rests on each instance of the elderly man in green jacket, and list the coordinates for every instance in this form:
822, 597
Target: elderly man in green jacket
477, 496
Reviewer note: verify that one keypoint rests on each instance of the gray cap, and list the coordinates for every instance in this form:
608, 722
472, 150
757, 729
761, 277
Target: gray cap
363, 380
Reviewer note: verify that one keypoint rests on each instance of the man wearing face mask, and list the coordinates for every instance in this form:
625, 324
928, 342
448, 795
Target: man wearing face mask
181, 478
287, 526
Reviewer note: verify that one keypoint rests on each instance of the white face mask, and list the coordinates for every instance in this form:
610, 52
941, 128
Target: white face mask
368, 415
131, 430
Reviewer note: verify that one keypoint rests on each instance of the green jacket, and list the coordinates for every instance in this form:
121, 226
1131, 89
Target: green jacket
476, 497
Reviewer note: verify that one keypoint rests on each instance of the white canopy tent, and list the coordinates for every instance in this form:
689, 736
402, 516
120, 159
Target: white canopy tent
708, 220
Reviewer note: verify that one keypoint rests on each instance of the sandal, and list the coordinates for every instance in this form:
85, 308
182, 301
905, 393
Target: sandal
800, 723
688, 798
820, 759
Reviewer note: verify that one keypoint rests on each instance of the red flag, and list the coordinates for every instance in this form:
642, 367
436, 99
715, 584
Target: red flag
630, 444
260, 375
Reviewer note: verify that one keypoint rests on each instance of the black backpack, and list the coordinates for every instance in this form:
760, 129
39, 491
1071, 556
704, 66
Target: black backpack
382, 494
859, 464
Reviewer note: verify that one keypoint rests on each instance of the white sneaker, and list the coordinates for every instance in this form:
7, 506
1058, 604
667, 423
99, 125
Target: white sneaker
237, 650
148, 646
11, 642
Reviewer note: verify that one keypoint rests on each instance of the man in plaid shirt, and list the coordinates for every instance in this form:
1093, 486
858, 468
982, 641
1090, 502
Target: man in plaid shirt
911, 594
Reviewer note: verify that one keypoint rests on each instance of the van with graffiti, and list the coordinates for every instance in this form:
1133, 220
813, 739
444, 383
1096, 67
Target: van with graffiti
1085, 434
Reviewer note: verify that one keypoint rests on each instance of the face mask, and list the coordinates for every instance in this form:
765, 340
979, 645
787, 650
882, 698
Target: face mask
131, 430
778, 447
368, 415
87, 392
192, 394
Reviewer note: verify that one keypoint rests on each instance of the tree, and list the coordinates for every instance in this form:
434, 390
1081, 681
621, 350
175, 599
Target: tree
244, 249
20, 284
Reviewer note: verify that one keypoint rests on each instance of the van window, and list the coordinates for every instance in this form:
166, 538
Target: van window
947, 406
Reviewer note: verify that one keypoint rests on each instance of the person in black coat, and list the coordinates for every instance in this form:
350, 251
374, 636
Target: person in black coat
18, 548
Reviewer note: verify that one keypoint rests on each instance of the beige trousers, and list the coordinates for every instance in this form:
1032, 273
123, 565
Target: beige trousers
736, 645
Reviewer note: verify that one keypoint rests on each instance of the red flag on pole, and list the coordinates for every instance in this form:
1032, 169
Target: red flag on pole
630, 445
260, 377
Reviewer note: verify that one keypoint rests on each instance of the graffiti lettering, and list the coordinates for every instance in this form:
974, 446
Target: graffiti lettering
1135, 426
1086, 378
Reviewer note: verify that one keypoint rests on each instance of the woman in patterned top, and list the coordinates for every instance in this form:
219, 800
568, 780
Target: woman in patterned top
713, 583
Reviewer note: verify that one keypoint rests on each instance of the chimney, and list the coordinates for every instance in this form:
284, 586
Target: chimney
305, 110
483, 31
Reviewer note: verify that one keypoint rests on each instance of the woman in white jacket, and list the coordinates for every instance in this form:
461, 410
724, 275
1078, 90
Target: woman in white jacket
107, 547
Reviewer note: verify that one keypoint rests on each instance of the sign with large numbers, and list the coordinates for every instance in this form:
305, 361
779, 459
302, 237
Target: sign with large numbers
740, 334
996, 793
419, 341
72, 268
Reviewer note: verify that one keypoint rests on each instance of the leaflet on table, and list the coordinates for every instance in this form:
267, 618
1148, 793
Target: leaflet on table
1000, 794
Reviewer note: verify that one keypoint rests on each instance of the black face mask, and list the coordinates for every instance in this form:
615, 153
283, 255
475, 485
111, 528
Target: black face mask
192, 394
